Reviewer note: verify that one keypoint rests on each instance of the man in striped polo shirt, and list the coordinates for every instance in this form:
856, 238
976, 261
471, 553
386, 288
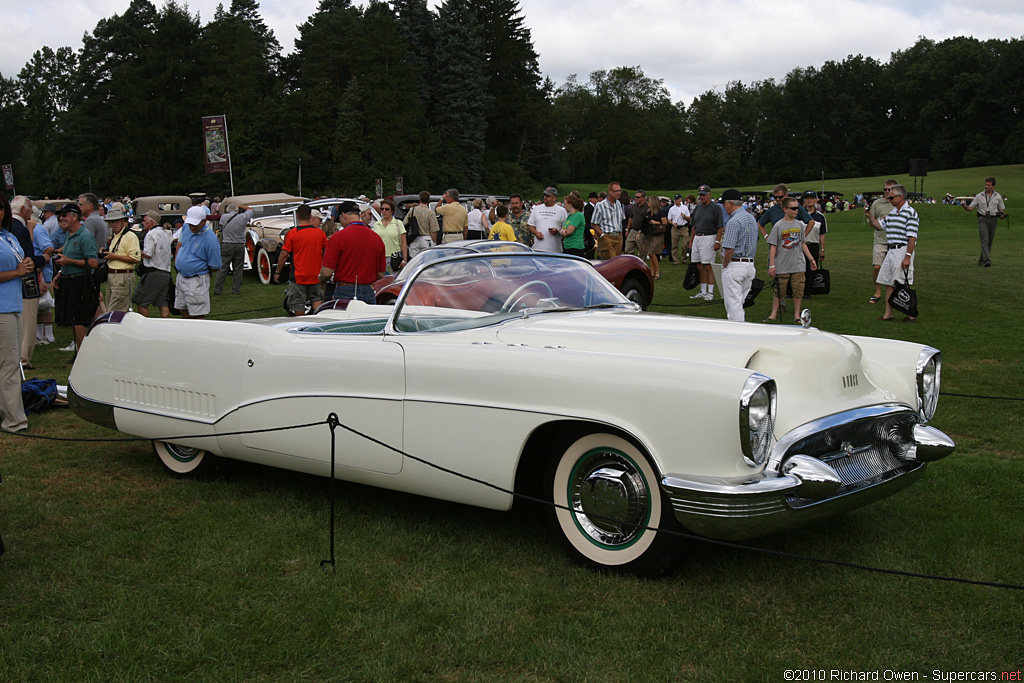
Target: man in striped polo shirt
607, 222
901, 226
739, 250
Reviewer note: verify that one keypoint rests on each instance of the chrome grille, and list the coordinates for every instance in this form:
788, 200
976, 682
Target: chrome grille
863, 452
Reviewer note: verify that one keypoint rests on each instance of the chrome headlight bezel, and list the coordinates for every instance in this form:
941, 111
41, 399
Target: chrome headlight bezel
929, 378
757, 419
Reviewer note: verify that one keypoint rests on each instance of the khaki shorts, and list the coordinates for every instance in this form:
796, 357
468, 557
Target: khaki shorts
795, 280
878, 254
192, 294
299, 295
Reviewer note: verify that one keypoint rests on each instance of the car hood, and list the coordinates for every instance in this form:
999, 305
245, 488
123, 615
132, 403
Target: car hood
815, 371
672, 336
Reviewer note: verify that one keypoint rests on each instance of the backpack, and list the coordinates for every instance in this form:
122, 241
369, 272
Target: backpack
38, 394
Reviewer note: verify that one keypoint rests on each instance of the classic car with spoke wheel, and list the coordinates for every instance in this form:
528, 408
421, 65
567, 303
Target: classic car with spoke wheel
511, 372
266, 234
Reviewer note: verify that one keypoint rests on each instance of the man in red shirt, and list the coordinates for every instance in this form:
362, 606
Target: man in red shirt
354, 257
305, 244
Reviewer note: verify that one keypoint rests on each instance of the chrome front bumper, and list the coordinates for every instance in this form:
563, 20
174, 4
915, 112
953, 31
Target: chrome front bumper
816, 471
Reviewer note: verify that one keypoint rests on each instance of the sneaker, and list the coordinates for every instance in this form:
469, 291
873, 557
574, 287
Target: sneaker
69, 347
50, 340
698, 295
709, 297
42, 341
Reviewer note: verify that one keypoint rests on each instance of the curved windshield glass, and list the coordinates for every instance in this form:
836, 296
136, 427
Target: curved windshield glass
475, 290
454, 248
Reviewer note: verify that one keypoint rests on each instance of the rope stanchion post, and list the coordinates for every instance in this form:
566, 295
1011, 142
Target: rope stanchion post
333, 422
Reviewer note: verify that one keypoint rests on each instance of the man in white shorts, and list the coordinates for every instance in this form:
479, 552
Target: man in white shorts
705, 240
901, 226
198, 256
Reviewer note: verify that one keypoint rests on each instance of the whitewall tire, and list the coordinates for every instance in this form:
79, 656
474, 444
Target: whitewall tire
613, 496
185, 461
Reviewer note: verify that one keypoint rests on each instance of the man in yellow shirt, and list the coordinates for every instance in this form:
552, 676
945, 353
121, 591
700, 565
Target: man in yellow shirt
124, 254
501, 230
454, 217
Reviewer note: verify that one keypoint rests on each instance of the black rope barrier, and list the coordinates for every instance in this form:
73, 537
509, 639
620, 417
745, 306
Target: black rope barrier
683, 534
333, 422
988, 398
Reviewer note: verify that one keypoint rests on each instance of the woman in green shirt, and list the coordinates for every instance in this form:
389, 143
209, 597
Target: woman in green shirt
572, 228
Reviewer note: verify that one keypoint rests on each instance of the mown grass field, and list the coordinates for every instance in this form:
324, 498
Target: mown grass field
114, 571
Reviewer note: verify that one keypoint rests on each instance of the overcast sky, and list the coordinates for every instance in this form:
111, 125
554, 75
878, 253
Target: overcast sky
691, 46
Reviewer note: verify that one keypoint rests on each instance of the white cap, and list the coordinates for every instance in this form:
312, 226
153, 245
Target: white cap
195, 215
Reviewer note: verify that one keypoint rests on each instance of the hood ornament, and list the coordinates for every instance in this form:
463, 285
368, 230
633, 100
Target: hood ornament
805, 318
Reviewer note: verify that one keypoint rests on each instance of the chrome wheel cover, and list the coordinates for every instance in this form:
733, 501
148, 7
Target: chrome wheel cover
610, 498
182, 453
636, 296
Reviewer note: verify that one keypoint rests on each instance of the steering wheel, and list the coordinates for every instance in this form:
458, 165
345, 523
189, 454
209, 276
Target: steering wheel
516, 297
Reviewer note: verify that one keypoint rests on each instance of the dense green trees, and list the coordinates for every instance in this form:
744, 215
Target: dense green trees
454, 97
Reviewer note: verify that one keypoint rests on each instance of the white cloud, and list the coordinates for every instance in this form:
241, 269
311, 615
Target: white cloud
692, 46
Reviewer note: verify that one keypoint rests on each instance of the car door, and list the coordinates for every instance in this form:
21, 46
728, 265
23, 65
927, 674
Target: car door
294, 378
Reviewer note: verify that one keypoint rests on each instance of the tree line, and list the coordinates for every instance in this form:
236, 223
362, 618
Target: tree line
453, 97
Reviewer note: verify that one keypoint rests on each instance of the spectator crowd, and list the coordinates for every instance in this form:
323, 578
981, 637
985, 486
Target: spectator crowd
55, 257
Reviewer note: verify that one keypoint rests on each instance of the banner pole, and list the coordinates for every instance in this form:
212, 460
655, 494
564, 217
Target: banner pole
227, 148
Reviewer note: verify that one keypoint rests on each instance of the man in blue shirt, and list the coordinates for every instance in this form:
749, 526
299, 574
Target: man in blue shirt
740, 249
198, 256
776, 213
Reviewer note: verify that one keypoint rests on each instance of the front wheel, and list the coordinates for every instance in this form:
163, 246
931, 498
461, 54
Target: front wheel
617, 517
184, 461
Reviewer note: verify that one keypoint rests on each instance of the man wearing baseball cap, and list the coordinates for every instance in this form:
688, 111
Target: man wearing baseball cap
198, 256
546, 222
354, 257
76, 305
706, 240
739, 248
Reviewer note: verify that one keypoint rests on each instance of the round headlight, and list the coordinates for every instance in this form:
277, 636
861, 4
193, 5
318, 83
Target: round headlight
760, 407
757, 418
929, 374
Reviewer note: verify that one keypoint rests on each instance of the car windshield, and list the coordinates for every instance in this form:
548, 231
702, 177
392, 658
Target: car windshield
475, 290
455, 248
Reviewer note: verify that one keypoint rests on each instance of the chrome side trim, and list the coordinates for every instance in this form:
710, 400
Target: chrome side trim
757, 511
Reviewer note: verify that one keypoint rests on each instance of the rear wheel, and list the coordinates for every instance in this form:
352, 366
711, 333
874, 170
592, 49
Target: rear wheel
614, 506
634, 291
185, 461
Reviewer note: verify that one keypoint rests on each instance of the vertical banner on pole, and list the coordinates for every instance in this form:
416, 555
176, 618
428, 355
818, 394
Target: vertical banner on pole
399, 185
379, 188
215, 136
8, 176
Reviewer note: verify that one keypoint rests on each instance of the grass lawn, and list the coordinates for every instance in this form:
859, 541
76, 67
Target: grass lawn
115, 571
